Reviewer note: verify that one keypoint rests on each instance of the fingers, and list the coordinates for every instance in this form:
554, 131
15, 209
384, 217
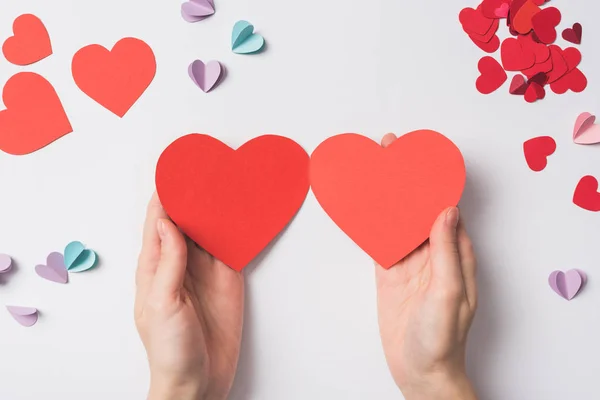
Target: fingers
469, 265
150, 253
388, 139
445, 256
172, 266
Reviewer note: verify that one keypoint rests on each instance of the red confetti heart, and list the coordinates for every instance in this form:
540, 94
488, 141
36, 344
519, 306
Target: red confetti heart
474, 22
534, 92
518, 85
559, 64
30, 43
544, 24
495, 8
489, 47
573, 35
522, 21
515, 57
574, 81
492, 75
537, 151
586, 194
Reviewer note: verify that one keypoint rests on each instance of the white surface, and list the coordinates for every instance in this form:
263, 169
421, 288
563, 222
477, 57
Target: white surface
311, 330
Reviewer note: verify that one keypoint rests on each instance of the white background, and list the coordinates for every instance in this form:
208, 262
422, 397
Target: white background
311, 331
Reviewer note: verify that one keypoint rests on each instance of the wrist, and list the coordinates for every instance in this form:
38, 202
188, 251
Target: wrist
440, 386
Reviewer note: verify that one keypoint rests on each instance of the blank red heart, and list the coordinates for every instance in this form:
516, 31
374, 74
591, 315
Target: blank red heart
586, 194
537, 151
492, 75
34, 116
544, 24
516, 57
30, 43
386, 200
232, 203
117, 78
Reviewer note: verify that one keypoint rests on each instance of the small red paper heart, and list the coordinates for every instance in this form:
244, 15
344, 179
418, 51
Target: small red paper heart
492, 75
516, 57
489, 47
522, 21
540, 50
502, 11
574, 81
537, 151
386, 199
534, 92
586, 194
232, 203
495, 8
488, 36
573, 35
34, 116
30, 43
474, 22
117, 78
518, 85
544, 24
559, 64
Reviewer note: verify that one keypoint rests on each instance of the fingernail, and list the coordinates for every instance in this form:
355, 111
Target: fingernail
452, 217
161, 228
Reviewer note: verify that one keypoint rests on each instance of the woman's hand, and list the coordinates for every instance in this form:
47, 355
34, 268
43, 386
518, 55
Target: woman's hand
426, 305
189, 311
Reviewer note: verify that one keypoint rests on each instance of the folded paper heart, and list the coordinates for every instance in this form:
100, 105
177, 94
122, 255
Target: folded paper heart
26, 316
387, 199
567, 284
586, 194
30, 43
537, 151
586, 131
54, 270
34, 115
573, 34
115, 78
5, 263
232, 203
197, 10
244, 40
79, 259
205, 76
518, 85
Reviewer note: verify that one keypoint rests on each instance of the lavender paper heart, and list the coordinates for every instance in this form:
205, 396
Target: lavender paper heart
5, 263
205, 76
197, 10
54, 270
26, 316
567, 284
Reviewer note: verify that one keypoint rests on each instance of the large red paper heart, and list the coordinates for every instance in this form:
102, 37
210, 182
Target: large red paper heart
586, 194
516, 57
544, 24
523, 16
115, 79
492, 75
537, 151
232, 203
474, 22
386, 199
34, 116
30, 43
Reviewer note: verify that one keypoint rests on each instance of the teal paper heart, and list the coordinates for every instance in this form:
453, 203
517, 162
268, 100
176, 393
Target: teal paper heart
244, 40
78, 258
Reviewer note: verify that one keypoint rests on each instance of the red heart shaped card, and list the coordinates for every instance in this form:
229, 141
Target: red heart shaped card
387, 199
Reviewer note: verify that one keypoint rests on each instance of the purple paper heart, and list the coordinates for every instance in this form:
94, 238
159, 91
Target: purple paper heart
54, 270
567, 284
5, 263
205, 76
197, 10
26, 316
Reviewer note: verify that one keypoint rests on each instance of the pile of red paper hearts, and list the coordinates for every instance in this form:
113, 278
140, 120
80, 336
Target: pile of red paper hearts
531, 51
34, 116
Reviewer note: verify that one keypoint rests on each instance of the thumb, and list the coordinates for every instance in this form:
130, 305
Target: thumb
445, 257
173, 258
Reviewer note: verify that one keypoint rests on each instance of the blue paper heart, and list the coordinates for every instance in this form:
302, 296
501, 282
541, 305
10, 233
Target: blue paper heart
78, 258
244, 41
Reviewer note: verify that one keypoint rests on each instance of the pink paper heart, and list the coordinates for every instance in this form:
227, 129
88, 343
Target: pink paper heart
197, 10
26, 316
502, 11
54, 270
585, 131
567, 284
205, 76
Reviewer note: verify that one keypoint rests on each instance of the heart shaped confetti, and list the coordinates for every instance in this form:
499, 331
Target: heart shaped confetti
30, 43
244, 40
586, 194
534, 92
205, 76
518, 85
537, 151
197, 10
567, 284
411, 182
586, 131
516, 57
492, 75
26, 316
5, 263
573, 34
54, 270
544, 24
115, 78
474, 22
79, 259
34, 115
